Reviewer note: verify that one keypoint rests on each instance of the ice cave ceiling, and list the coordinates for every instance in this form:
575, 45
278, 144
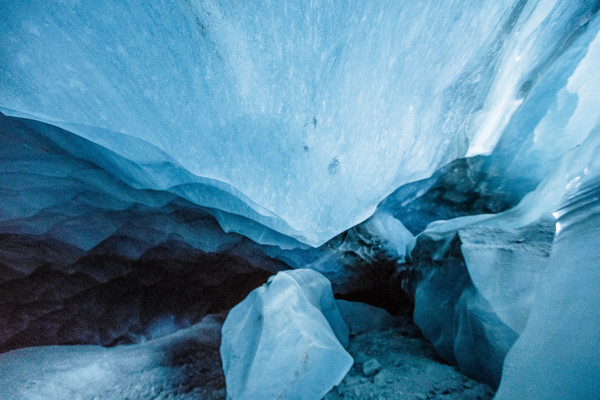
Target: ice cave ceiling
159, 160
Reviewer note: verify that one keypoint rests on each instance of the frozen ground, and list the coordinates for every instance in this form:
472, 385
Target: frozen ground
186, 366
397, 363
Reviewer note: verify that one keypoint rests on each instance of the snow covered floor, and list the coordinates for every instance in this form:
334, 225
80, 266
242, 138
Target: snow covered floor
186, 366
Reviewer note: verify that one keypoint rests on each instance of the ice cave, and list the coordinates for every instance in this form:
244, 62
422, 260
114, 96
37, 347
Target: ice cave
300, 200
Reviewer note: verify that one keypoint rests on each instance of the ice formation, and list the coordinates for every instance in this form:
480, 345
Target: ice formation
556, 357
185, 151
361, 317
285, 340
297, 116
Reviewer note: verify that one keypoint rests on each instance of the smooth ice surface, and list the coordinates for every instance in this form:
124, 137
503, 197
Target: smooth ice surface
362, 317
285, 340
557, 355
506, 267
300, 117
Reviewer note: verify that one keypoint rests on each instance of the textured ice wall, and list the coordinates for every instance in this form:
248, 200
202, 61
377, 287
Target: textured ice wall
286, 119
309, 114
557, 355
88, 255
500, 277
487, 279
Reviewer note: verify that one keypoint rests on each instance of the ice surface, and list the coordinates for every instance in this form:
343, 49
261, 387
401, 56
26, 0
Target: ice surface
474, 302
154, 128
71, 189
285, 340
89, 255
506, 267
362, 317
557, 355
180, 365
298, 116
453, 315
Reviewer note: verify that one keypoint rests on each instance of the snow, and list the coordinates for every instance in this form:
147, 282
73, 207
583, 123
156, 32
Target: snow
176, 366
285, 340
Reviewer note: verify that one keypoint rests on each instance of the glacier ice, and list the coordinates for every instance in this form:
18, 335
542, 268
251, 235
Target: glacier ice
88, 257
300, 117
356, 260
556, 357
482, 276
107, 299
452, 314
140, 141
362, 317
285, 340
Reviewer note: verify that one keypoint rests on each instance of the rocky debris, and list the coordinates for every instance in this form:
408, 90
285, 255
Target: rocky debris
395, 363
371, 367
398, 364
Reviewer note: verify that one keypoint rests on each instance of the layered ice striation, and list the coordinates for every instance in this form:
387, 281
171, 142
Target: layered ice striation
556, 357
482, 278
296, 117
285, 340
87, 256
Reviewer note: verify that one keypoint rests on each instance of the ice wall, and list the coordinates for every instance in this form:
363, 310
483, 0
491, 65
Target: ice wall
557, 355
488, 280
88, 255
187, 128
308, 114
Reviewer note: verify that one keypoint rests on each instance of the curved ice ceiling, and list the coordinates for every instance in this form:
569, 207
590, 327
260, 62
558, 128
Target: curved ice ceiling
302, 116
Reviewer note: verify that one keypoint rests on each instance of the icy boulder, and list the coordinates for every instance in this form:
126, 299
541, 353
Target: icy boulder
285, 340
